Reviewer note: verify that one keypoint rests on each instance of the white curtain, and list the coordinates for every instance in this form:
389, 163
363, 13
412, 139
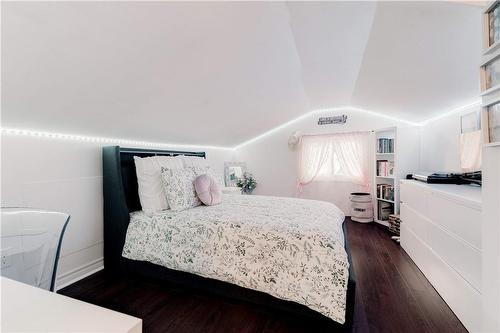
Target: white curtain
470, 151
343, 157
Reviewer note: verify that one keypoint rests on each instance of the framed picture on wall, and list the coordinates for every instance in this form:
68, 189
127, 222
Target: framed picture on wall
490, 75
492, 25
492, 119
234, 171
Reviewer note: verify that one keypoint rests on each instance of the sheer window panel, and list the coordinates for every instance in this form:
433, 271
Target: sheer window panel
335, 157
471, 142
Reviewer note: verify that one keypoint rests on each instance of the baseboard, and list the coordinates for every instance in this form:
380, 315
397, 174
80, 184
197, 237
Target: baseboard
79, 273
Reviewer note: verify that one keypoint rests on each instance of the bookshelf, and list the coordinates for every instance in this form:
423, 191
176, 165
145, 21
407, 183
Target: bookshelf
404, 157
385, 187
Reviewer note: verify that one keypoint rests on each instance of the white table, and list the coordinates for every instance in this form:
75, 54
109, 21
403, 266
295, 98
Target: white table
29, 309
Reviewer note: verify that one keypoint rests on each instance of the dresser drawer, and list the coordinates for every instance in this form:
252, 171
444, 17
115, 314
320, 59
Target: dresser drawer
463, 299
458, 219
463, 258
414, 221
415, 196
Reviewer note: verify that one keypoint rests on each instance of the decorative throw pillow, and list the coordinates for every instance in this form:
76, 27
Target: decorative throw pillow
208, 190
179, 188
149, 180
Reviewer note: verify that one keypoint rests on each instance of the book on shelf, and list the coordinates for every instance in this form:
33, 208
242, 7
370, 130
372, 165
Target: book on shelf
384, 210
385, 168
385, 191
385, 146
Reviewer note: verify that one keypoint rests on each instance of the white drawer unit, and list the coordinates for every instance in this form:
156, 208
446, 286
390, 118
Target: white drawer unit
441, 232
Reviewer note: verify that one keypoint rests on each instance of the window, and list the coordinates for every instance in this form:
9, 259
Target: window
335, 157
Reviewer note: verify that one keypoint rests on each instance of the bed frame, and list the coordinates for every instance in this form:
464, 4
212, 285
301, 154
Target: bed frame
121, 198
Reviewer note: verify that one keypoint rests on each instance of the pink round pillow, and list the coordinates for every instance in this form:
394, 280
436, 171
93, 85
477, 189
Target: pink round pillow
208, 190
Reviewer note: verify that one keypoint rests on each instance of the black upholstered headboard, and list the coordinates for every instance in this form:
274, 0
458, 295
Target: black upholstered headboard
121, 196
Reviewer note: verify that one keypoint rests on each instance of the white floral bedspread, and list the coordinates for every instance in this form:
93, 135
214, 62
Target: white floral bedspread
290, 248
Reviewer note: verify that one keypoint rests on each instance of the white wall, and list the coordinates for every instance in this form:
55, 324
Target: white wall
66, 176
440, 143
491, 239
275, 166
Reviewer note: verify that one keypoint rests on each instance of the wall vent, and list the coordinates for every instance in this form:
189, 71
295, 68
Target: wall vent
332, 120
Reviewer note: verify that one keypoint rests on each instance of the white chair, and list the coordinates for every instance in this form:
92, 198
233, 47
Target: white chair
30, 245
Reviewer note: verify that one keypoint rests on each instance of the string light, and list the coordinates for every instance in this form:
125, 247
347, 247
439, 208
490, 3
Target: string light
355, 109
104, 140
449, 113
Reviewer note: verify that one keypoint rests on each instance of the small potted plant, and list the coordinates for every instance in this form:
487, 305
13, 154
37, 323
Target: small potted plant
247, 183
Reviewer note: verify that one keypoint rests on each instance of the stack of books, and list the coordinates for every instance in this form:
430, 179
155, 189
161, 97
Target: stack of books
385, 168
385, 191
384, 210
394, 224
385, 146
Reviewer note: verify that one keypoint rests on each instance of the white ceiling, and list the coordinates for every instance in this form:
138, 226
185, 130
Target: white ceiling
221, 73
420, 59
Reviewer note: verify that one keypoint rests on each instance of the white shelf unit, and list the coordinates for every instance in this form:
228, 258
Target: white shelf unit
387, 133
384, 177
406, 156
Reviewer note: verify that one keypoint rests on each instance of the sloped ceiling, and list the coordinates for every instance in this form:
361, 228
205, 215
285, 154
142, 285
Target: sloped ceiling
421, 58
221, 73
330, 39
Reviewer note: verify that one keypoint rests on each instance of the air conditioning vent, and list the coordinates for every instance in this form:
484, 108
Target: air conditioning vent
332, 120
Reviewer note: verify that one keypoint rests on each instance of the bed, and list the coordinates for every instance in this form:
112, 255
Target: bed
282, 253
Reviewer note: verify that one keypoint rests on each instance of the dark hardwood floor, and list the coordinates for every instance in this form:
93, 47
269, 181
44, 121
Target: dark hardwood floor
392, 296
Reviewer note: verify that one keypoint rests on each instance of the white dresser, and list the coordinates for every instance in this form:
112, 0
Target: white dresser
441, 232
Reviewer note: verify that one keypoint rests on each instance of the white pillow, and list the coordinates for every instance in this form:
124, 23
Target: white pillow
217, 176
195, 162
148, 170
179, 188
212, 173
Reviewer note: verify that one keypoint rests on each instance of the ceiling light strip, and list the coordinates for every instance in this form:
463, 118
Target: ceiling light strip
451, 112
322, 111
102, 140
74, 137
